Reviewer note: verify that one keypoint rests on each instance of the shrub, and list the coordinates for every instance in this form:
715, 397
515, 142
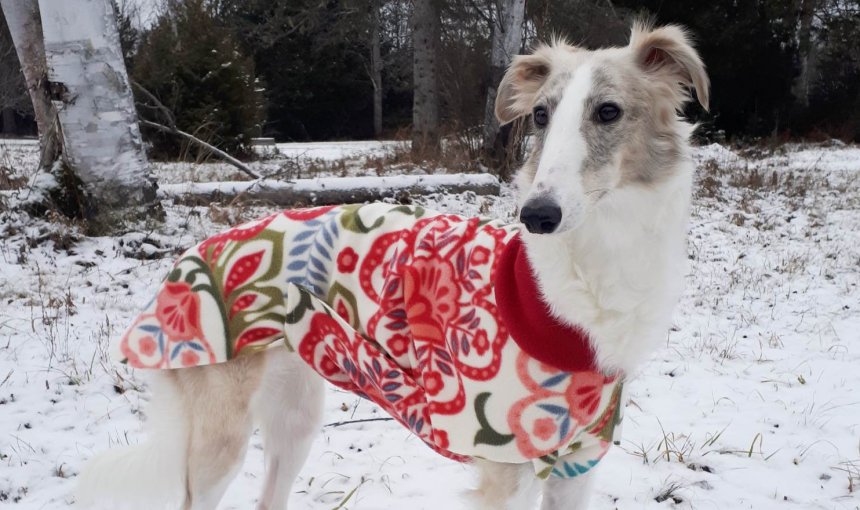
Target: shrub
195, 68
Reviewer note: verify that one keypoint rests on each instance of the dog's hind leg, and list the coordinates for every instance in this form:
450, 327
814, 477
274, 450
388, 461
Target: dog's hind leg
289, 408
218, 399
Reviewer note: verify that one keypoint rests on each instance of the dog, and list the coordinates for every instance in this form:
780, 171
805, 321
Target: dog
579, 294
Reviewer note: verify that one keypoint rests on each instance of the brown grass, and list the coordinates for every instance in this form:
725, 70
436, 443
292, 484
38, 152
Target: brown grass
8, 181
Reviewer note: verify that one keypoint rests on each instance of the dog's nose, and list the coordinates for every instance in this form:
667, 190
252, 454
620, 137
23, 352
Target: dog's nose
540, 216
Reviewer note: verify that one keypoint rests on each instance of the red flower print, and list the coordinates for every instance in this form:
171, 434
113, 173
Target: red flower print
308, 213
480, 342
545, 428
342, 311
432, 283
189, 358
257, 335
147, 346
329, 367
535, 419
242, 270
324, 330
480, 255
242, 303
440, 438
583, 395
178, 311
242, 232
398, 345
433, 383
347, 260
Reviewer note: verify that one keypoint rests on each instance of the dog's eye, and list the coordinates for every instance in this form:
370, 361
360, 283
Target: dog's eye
540, 116
607, 112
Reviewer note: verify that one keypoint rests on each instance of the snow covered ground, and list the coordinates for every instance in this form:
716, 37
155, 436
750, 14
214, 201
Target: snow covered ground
753, 403
338, 150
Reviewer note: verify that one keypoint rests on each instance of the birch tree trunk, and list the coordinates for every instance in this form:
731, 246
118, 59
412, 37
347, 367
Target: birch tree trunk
376, 69
91, 92
507, 30
425, 103
800, 87
25, 27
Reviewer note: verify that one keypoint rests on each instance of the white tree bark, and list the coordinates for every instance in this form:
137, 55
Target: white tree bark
376, 68
91, 92
25, 27
425, 103
805, 47
507, 29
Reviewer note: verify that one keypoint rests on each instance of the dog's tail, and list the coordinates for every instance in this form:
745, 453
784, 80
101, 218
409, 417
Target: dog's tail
150, 475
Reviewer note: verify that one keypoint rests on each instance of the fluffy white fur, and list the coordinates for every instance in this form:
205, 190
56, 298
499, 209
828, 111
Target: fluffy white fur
615, 266
620, 273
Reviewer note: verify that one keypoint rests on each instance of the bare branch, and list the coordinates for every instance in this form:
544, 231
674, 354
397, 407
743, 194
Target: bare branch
347, 422
215, 150
481, 13
158, 104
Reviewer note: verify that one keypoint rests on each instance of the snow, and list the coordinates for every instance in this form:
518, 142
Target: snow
753, 403
338, 150
311, 186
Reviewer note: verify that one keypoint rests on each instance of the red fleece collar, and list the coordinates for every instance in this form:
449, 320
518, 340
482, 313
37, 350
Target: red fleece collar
527, 316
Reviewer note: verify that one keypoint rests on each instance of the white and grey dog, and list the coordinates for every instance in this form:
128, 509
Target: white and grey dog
604, 197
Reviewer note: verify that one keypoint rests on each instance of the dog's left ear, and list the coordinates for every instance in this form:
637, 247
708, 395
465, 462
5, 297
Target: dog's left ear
516, 94
667, 54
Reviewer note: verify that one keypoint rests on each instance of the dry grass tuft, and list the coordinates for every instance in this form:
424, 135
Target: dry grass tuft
9, 181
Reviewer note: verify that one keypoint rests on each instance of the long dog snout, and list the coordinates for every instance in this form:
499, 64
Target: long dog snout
541, 216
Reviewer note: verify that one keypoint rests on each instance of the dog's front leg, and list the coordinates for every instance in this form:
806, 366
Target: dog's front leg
504, 486
567, 493
571, 493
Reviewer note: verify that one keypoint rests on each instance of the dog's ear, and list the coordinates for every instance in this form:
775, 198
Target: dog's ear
667, 54
516, 93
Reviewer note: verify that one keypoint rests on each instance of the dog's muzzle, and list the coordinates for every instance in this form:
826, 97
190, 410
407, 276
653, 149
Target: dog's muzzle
541, 216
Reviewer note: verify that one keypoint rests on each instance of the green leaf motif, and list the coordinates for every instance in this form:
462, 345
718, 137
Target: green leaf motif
487, 434
605, 431
339, 292
174, 275
351, 220
416, 211
298, 312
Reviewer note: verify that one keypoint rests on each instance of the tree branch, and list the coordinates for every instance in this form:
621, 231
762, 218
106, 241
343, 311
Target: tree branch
158, 104
215, 150
347, 422
481, 13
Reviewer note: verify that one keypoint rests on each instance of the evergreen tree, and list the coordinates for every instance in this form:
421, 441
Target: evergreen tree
194, 66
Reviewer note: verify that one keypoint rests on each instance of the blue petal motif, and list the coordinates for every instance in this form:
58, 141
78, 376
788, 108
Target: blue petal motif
303, 235
554, 409
554, 380
565, 427
296, 265
389, 387
299, 249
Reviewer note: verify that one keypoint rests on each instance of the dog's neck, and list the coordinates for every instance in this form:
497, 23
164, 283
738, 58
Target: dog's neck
619, 275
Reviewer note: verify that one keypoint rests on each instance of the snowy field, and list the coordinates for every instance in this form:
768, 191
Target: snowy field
753, 402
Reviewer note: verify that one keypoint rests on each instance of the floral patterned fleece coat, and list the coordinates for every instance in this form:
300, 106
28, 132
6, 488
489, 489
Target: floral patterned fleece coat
434, 317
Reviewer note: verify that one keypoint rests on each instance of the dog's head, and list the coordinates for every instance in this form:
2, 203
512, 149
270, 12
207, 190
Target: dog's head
603, 120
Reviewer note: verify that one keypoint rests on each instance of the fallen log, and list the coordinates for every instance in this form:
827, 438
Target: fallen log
331, 190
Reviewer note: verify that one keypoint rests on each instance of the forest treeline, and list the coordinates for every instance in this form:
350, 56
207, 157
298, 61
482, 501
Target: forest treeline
230, 70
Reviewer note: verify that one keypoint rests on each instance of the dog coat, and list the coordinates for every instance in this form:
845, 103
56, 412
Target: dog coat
436, 318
